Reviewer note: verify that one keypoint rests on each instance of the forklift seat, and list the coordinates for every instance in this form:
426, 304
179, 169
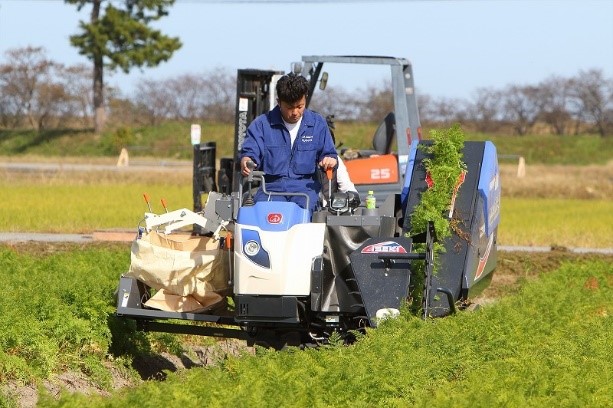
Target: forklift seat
384, 135
382, 140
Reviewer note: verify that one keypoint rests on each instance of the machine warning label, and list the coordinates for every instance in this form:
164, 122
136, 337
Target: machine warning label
384, 247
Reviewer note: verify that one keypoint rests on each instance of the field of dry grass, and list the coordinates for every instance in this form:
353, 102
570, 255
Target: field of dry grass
542, 181
551, 205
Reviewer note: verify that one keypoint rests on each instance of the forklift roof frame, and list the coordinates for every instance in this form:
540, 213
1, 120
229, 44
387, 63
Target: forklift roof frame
403, 90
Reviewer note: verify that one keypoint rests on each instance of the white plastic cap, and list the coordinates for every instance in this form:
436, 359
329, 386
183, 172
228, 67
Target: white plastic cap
386, 313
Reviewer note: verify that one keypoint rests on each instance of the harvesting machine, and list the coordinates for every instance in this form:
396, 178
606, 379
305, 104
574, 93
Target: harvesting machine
277, 276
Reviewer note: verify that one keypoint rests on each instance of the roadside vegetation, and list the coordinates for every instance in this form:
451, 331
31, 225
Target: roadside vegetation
39, 93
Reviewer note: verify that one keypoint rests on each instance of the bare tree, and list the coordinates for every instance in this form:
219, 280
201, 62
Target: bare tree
210, 96
20, 77
377, 102
443, 110
29, 79
522, 105
425, 105
485, 109
594, 95
51, 108
10, 112
220, 95
188, 94
76, 81
555, 104
154, 100
338, 102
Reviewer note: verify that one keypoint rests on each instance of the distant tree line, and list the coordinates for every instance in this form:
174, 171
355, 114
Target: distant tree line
39, 93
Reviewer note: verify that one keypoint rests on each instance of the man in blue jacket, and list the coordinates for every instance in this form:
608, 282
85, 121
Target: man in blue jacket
290, 144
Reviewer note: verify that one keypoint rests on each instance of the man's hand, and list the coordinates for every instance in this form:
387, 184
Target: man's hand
245, 169
327, 163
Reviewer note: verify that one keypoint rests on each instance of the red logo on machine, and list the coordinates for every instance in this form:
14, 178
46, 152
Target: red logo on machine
387, 247
274, 218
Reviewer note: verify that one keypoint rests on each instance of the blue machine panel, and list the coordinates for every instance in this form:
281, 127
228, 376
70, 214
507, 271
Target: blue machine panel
261, 257
489, 188
272, 215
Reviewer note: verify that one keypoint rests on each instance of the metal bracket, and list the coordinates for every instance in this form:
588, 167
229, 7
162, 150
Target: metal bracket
174, 220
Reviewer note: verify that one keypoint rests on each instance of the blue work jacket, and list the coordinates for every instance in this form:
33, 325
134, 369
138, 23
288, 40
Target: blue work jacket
287, 168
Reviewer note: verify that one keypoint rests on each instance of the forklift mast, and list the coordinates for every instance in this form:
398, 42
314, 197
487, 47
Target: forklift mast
403, 89
255, 94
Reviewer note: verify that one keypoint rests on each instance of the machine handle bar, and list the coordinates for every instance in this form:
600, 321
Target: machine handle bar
261, 174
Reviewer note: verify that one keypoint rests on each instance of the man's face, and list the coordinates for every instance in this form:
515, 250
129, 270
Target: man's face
292, 112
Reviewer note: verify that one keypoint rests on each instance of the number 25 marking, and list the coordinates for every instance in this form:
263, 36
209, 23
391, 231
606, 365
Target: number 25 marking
380, 174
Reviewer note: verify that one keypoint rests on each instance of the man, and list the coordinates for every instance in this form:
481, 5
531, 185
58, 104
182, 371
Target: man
290, 144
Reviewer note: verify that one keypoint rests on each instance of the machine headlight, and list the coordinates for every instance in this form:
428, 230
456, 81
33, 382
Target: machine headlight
251, 248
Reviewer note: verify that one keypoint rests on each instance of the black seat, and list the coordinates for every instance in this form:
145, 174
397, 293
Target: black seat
382, 140
384, 135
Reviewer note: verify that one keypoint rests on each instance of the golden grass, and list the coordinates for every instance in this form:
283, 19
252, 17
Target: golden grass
73, 202
542, 181
568, 206
85, 208
569, 223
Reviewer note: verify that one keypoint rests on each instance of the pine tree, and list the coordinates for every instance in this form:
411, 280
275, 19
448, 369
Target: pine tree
118, 37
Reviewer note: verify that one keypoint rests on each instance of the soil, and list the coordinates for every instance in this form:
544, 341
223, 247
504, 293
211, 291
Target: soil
512, 269
153, 367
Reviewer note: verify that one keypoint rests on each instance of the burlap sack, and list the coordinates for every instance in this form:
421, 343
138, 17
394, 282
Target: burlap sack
174, 303
180, 264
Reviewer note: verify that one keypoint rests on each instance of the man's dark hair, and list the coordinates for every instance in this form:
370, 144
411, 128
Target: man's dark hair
292, 87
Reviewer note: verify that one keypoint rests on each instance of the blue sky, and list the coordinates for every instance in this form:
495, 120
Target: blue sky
456, 47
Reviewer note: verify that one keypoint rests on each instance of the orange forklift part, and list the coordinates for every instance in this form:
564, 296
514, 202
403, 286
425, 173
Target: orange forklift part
373, 170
